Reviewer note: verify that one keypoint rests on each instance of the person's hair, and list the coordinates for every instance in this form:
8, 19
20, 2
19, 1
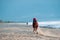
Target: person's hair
34, 20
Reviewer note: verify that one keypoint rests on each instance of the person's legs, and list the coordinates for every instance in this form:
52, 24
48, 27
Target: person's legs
35, 30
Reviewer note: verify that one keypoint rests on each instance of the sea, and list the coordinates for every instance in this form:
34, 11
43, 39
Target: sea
48, 24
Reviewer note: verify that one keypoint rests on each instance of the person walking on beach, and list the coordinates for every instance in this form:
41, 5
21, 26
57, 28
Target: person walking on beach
35, 25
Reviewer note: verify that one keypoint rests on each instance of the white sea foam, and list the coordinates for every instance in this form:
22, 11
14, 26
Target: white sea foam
55, 24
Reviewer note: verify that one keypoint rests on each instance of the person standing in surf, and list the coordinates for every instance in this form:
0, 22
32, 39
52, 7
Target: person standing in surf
35, 25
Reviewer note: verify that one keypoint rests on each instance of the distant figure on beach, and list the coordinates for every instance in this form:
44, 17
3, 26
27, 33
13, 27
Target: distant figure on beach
27, 23
35, 25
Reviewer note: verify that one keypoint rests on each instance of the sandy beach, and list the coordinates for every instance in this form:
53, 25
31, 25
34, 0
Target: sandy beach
24, 32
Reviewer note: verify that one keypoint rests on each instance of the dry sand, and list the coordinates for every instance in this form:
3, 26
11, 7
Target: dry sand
26, 33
